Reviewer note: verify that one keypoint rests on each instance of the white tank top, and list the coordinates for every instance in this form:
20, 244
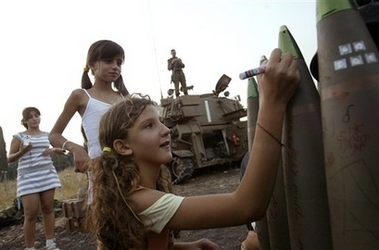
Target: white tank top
91, 118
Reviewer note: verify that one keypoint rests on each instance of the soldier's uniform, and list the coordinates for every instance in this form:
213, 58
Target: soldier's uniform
176, 65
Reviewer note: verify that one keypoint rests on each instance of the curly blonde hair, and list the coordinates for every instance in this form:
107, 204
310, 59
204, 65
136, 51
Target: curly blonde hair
115, 177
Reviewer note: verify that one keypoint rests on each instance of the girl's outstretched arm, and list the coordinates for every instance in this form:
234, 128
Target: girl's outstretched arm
250, 201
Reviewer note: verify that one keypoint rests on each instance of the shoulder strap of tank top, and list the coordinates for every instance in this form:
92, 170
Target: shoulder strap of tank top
85, 91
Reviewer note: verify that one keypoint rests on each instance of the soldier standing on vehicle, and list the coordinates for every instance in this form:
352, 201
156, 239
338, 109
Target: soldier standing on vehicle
176, 65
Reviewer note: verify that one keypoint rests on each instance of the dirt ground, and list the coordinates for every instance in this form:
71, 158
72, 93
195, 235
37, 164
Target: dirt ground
205, 181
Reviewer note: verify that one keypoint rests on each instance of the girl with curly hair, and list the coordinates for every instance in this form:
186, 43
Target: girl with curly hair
134, 207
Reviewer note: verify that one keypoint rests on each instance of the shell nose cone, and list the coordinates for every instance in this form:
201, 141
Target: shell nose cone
370, 14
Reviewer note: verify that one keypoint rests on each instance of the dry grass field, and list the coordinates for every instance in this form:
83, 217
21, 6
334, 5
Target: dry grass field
7, 193
70, 181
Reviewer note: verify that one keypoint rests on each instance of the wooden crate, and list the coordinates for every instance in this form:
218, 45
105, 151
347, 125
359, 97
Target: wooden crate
74, 213
76, 224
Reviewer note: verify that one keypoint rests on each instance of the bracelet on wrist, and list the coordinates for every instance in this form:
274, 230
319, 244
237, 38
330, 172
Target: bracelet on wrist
64, 145
290, 151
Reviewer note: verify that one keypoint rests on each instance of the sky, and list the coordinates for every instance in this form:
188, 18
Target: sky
44, 45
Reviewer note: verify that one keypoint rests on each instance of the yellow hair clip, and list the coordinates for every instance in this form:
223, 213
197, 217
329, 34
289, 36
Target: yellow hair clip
107, 149
86, 69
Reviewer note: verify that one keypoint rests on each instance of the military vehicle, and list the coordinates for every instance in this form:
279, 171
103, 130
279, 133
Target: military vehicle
206, 130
